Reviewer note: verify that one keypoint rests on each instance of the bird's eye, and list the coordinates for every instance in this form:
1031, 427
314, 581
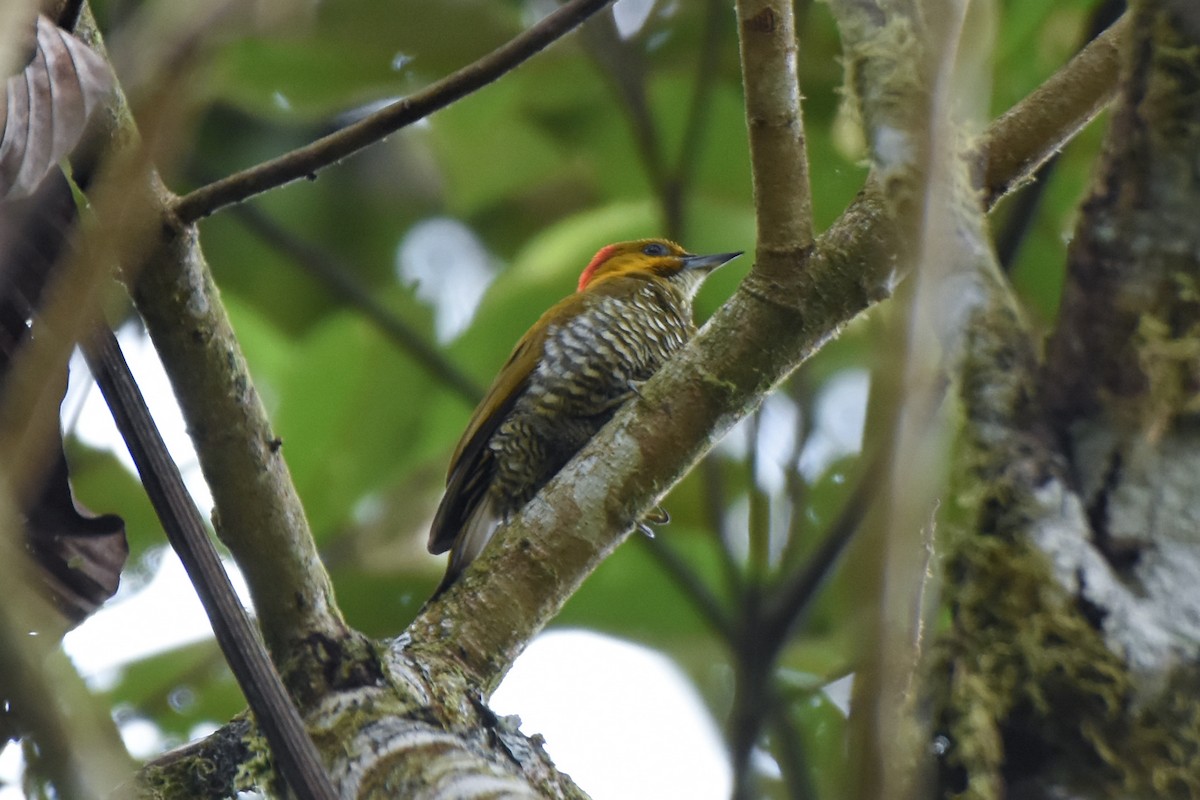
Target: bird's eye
655, 249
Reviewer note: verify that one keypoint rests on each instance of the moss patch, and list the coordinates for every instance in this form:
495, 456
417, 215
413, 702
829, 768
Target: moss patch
1028, 691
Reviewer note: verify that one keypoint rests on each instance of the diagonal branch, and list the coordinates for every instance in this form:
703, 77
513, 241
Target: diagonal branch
756, 339
305, 161
259, 513
324, 267
1030, 132
273, 708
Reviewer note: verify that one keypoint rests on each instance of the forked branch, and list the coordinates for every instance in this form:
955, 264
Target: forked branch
306, 161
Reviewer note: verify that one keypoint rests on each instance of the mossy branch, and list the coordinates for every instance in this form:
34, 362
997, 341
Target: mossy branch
470, 636
757, 338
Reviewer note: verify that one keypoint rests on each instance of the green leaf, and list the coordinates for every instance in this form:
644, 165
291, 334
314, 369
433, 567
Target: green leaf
180, 689
352, 416
631, 596
822, 729
354, 52
103, 484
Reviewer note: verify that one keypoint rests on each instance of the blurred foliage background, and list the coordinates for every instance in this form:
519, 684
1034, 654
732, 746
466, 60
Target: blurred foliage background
503, 197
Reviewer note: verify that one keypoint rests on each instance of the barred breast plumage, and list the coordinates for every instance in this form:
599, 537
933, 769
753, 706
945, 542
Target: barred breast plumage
565, 379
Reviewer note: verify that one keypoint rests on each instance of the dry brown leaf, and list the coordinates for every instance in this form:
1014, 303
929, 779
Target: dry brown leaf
47, 106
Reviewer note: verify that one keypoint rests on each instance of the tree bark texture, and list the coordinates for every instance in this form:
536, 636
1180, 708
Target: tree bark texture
408, 718
1070, 666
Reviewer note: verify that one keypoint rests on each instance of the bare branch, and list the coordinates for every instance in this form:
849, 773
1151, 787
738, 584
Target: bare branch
325, 268
294, 751
758, 337
306, 161
260, 516
782, 197
1050, 116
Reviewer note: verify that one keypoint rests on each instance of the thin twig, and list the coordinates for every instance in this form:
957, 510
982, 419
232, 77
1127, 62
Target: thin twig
702, 93
789, 752
624, 65
789, 602
689, 582
326, 268
759, 514
294, 751
795, 484
306, 161
714, 506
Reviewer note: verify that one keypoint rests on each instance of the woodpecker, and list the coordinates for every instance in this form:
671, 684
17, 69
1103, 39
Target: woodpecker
565, 379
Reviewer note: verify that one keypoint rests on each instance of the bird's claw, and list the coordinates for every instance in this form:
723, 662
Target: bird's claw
655, 516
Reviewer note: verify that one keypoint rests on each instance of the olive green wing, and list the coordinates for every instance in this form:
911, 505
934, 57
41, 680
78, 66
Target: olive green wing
473, 464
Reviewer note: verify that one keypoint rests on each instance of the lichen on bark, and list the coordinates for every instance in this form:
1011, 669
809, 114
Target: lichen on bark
1072, 554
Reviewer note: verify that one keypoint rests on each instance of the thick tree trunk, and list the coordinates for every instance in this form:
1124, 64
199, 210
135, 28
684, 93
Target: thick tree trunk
408, 719
1072, 580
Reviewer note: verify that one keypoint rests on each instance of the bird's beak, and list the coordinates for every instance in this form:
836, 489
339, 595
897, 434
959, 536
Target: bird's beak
707, 263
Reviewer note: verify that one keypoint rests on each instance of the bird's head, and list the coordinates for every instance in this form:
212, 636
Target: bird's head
652, 259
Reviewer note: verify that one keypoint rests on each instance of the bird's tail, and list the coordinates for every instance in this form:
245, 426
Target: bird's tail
476, 532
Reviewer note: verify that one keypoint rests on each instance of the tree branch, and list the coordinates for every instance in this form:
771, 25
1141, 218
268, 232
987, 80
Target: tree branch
306, 161
778, 160
758, 337
324, 267
1023, 211
1122, 370
1036, 128
259, 515
1058, 458
273, 708
471, 634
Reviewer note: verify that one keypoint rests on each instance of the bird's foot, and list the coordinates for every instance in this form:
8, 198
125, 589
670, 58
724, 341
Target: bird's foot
655, 516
